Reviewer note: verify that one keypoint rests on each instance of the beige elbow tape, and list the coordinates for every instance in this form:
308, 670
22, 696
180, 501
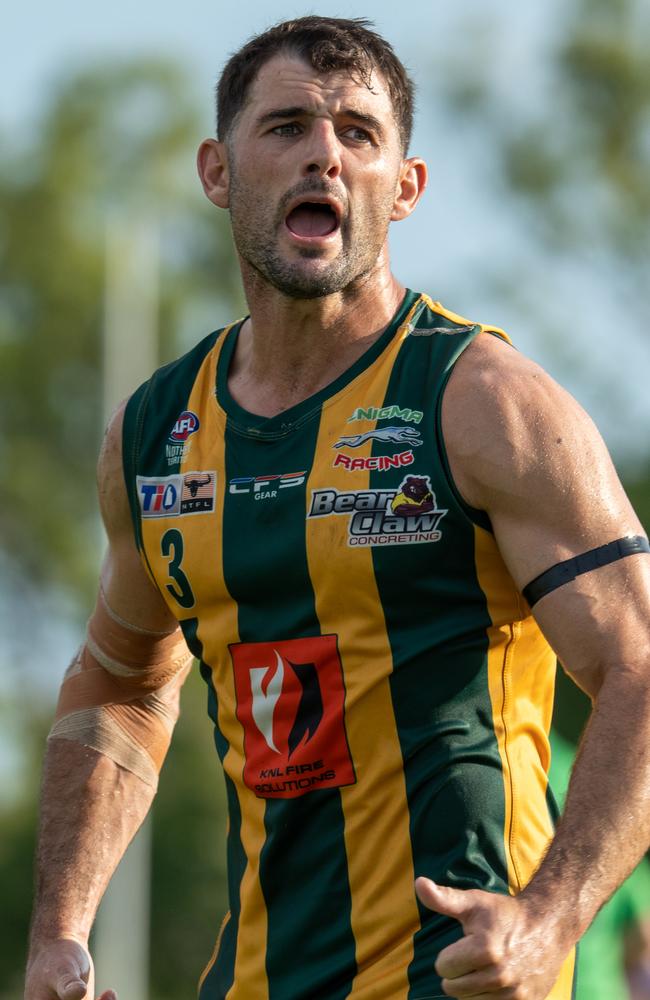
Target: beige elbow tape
120, 695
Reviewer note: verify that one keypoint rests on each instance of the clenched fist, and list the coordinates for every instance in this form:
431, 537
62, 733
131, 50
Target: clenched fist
508, 950
61, 970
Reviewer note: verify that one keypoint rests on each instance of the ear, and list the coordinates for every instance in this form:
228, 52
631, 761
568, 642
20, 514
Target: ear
212, 164
411, 183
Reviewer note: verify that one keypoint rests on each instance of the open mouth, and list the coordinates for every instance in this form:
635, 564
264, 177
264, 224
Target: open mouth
312, 219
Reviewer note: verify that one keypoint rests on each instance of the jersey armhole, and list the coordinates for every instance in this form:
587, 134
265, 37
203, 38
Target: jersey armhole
134, 415
474, 514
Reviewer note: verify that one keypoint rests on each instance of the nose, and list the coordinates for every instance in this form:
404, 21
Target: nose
323, 152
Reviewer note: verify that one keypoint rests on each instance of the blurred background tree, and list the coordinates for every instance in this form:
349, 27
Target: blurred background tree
568, 160
571, 167
112, 139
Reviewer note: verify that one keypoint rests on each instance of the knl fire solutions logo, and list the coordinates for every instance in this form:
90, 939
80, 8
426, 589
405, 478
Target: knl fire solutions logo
290, 702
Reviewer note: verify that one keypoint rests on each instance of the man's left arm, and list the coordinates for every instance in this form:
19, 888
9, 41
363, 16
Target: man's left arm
523, 450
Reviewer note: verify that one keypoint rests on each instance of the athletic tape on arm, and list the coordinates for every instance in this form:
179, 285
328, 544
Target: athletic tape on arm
568, 570
120, 695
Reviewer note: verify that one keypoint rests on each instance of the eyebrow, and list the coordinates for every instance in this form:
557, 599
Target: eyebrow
299, 112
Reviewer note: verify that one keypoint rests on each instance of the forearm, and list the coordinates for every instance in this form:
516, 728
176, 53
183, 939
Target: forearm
90, 810
605, 827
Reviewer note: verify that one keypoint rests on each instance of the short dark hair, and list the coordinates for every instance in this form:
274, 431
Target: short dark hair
328, 44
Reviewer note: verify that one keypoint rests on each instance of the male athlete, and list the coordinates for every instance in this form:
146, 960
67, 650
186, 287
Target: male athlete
373, 521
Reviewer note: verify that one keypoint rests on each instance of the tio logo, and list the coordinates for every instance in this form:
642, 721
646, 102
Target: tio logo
186, 424
159, 497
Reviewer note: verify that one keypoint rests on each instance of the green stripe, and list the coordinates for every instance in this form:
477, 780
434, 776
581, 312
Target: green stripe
220, 977
436, 618
303, 864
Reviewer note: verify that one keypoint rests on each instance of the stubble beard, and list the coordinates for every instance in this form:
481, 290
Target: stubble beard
255, 227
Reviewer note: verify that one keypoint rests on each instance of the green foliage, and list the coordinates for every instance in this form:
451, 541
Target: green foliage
115, 139
577, 152
18, 823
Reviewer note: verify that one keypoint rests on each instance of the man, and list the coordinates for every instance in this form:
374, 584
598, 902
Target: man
343, 499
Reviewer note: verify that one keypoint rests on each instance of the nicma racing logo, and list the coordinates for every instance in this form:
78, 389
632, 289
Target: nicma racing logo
384, 517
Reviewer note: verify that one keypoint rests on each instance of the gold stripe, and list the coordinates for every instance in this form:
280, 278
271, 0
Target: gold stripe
215, 952
384, 914
521, 677
457, 318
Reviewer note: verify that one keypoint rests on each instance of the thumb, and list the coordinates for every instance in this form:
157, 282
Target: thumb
71, 987
457, 903
72, 981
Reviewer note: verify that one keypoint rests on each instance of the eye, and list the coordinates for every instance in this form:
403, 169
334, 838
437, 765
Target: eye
287, 129
358, 134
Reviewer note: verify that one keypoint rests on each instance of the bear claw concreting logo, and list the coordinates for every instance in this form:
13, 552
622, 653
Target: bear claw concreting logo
384, 517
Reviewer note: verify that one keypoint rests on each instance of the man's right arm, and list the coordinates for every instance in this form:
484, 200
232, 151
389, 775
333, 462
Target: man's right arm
117, 707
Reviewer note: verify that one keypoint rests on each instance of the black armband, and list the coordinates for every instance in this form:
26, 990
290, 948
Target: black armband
568, 570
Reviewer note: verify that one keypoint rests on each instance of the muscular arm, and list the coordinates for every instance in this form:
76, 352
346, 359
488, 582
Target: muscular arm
523, 450
91, 806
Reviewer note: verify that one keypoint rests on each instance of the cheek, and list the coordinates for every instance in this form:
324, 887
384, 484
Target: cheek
376, 184
375, 203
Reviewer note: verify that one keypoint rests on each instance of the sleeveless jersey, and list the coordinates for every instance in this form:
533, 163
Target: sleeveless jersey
380, 694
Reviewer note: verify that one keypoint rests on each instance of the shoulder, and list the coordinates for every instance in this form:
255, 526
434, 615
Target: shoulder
522, 449
504, 416
111, 486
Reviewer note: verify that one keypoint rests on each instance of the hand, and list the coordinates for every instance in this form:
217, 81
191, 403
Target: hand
62, 970
508, 950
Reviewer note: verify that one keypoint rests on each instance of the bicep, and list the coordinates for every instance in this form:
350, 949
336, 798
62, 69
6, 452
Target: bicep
566, 503
545, 478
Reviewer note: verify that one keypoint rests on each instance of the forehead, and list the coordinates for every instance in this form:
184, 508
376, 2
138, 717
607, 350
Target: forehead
289, 81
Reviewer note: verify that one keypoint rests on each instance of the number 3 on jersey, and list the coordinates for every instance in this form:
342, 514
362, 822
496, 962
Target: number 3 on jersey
171, 546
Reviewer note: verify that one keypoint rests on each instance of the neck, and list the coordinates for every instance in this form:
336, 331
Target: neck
291, 348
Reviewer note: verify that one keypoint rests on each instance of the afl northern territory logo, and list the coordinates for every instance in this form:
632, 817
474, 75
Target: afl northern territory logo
186, 423
290, 702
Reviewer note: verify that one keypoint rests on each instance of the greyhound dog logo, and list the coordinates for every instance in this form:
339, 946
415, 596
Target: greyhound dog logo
388, 435
266, 688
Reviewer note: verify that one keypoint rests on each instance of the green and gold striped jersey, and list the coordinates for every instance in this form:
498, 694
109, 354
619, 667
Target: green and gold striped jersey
380, 694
